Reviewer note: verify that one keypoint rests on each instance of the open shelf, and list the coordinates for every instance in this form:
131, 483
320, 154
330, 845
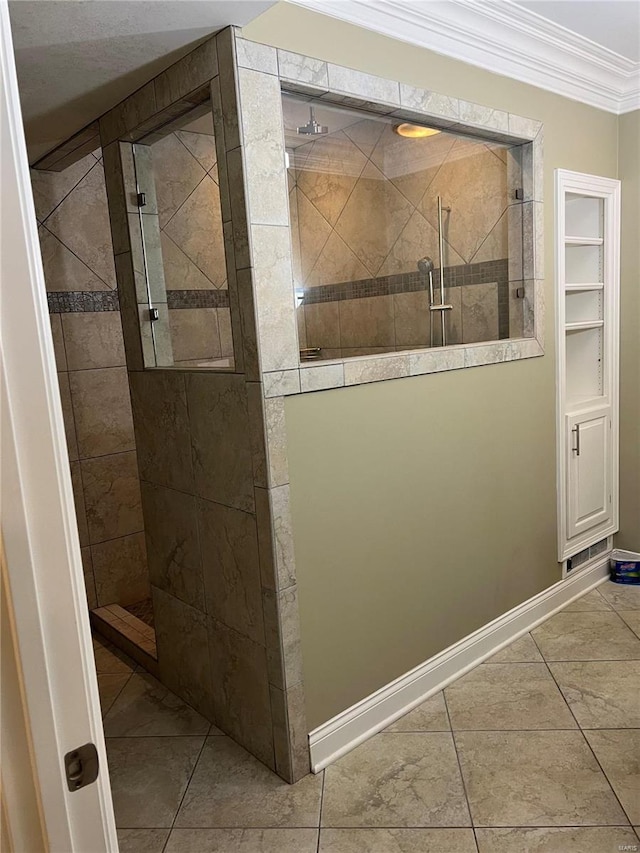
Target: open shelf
581, 402
580, 288
585, 324
583, 241
584, 215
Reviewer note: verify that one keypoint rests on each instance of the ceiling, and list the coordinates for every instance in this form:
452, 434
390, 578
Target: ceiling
76, 59
613, 24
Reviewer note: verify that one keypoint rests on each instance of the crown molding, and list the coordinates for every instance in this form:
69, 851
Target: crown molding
507, 39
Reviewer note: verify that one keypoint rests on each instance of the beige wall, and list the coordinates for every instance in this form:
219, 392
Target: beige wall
629, 173
425, 507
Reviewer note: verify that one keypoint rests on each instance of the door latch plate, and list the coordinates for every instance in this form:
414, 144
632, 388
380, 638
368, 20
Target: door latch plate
81, 766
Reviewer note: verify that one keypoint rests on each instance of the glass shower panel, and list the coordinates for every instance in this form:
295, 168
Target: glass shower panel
183, 246
396, 228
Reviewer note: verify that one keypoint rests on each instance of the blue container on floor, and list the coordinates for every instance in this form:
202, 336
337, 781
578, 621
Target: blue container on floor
625, 567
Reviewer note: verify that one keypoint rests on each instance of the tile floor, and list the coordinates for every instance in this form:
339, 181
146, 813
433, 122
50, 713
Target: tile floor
535, 751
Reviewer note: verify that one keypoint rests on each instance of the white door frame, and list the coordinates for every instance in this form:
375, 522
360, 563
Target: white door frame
38, 518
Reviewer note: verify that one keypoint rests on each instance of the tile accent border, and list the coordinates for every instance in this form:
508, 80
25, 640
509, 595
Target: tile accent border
263, 73
371, 715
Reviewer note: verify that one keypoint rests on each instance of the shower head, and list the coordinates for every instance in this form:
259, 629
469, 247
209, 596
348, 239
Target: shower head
425, 265
312, 128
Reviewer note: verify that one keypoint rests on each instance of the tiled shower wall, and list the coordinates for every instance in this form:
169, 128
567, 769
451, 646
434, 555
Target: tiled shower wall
73, 225
186, 186
367, 168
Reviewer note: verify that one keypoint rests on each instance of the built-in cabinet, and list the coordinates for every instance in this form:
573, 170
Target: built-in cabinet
587, 312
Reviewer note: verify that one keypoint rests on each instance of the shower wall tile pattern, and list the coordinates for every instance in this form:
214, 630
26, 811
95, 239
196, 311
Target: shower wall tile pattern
363, 206
75, 240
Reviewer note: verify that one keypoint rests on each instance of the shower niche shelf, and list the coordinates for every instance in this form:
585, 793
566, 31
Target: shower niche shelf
587, 261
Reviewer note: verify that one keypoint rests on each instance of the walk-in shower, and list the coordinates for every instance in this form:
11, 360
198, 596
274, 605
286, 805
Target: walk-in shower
366, 201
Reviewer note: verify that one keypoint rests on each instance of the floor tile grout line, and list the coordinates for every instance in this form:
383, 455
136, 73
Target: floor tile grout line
420, 827
459, 763
186, 788
584, 737
324, 780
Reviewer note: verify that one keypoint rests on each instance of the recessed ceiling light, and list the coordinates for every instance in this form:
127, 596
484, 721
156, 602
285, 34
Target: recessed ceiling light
414, 131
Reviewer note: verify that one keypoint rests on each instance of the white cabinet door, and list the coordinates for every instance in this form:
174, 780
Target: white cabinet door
589, 471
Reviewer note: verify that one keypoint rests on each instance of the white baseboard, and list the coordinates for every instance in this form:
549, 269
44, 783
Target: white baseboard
352, 727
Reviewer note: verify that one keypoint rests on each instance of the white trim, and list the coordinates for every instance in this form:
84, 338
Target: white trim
44, 565
361, 721
506, 39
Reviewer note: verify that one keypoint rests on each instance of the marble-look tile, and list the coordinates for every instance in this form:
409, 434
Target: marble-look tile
261, 108
194, 334
497, 353
58, 342
476, 114
522, 650
102, 411
81, 222
63, 271
89, 579
326, 178
219, 423
285, 568
496, 244
243, 841
632, 619
336, 263
239, 212
431, 716
258, 57
322, 376
601, 694
79, 503
618, 752
93, 339
312, 231
247, 327
363, 86
507, 696
183, 652
274, 299
556, 839
177, 174
120, 570
375, 369
231, 568
435, 361
372, 237
525, 128
142, 840
109, 688
112, 496
109, 660
533, 240
290, 732
191, 72
424, 100
173, 549
281, 383
50, 188
621, 596
146, 256
412, 319
397, 841
453, 319
479, 313
68, 416
282, 631
322, 321
586, 636
276, 436
225, 330
473, 183
145, 708
592, 600
202, 145
149, 776
230, 788
534, 779
180, 273
417, 239
203, 245
367, 322
303, 69
513, 245
240, 690
396, 780
161, 420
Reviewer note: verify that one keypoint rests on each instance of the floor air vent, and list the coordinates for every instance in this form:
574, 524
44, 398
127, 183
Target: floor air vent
587, 554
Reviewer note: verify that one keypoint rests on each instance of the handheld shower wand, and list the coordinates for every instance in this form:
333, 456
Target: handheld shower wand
425, 267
